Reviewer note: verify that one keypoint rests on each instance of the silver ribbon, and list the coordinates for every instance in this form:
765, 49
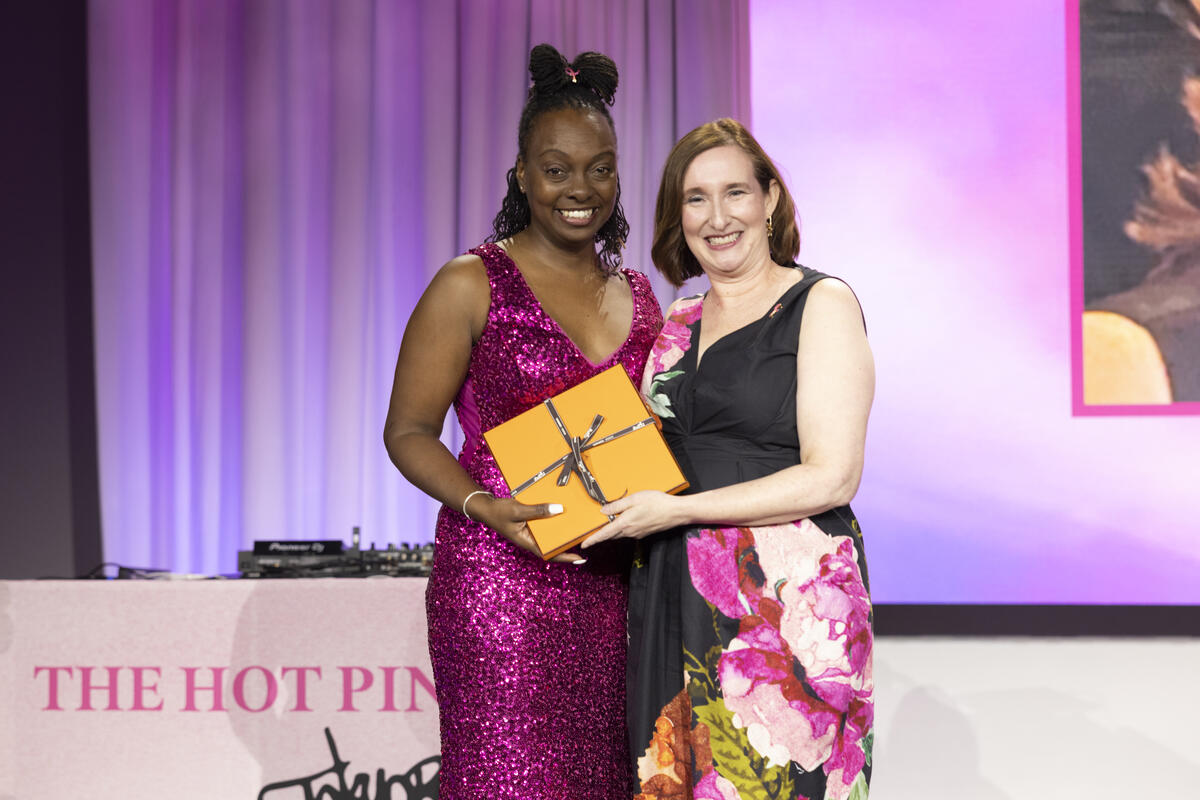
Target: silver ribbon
573, 461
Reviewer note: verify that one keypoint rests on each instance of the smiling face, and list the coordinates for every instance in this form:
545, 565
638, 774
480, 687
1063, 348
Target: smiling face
724, 217
569, 175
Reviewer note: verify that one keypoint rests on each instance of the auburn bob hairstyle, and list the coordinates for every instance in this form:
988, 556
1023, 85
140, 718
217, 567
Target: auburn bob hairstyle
670, 252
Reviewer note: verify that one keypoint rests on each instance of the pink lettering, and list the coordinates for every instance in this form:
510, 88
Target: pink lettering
86, 689
301, 685
389, 688
239, 688
349, 689
416, 678
419, 677
52, 685
192, 687
142, 687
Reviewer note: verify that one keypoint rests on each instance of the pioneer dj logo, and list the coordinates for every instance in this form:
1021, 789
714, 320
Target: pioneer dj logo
333, 783
297, 547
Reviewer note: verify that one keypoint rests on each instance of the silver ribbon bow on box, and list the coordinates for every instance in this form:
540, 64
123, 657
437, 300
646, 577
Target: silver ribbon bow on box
573, 461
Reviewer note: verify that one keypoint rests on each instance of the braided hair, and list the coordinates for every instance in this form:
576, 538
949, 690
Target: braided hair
588, 83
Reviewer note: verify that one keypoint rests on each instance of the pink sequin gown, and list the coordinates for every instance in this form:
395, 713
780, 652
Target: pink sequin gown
528, 657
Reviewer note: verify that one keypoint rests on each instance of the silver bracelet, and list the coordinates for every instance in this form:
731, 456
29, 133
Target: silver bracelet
468, 497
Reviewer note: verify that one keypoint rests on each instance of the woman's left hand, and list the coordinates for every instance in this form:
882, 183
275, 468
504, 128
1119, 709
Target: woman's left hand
638, 515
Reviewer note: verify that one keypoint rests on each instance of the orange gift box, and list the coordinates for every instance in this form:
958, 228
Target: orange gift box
588, 445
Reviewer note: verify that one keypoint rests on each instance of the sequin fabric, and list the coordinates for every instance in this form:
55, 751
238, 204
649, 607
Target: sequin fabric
528, 657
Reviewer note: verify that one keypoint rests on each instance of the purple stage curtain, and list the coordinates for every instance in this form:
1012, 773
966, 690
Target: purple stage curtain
273, 184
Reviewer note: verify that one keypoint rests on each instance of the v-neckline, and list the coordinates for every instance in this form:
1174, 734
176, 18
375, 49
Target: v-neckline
769, 313
542, 308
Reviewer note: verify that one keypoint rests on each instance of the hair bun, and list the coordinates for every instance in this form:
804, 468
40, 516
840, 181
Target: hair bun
548, 69
552, 73
598, 72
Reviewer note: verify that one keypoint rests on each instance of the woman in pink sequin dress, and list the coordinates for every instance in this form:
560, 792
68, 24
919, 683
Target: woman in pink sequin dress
528, 657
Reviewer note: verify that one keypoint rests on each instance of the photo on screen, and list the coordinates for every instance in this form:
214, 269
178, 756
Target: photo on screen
1136, 265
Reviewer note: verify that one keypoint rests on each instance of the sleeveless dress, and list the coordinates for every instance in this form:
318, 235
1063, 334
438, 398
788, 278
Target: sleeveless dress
528, 657
750, 647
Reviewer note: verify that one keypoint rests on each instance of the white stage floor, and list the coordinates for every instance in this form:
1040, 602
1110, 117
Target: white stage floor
1036, 718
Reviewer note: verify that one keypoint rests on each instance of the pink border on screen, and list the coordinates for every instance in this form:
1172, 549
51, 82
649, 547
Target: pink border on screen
1075, 230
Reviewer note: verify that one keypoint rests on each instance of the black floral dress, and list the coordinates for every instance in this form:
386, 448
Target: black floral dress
750, 647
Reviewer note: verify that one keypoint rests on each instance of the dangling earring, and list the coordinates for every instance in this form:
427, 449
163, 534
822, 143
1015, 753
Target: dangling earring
770, 228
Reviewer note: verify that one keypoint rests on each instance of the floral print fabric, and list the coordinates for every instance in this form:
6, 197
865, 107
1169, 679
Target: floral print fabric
775, 699
673, 340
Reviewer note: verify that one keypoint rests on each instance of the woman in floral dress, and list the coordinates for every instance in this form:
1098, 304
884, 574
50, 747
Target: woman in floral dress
750, 616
